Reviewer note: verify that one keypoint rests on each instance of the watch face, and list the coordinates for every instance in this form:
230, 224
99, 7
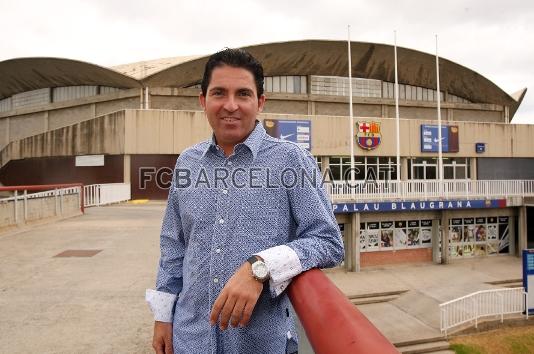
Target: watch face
259, 269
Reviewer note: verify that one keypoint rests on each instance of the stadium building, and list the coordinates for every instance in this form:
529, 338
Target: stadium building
66, 121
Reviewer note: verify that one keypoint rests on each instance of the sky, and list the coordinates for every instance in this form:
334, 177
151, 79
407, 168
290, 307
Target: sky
493, 38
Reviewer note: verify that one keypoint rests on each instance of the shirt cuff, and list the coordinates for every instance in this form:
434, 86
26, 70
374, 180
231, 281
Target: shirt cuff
161, 304
283, 264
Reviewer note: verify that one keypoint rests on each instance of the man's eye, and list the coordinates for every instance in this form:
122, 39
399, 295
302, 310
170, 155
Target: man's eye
245, 93
216, 92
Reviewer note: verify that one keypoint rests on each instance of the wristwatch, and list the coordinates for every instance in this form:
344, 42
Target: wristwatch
259, 269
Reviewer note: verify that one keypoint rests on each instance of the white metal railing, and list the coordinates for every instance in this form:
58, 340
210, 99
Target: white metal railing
425, 190
485, 303
102, 194
21, 196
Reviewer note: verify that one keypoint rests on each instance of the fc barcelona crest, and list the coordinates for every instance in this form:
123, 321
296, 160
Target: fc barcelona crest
368, 136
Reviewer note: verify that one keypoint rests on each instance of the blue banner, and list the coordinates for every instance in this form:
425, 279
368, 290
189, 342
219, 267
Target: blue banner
430, 138
342, 208
297, 131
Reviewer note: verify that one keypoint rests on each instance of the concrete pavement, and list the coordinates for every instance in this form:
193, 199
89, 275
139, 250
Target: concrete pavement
96, 304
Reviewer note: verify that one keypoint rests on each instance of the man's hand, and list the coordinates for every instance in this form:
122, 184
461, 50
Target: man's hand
162, 341
237, 299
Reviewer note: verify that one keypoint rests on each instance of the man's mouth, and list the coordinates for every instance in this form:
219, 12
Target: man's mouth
230, 119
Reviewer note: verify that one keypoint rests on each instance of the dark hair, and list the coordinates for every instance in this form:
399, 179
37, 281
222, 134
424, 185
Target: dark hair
237, 58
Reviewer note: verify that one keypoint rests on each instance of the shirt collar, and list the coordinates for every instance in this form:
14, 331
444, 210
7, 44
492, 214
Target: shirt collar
252, 142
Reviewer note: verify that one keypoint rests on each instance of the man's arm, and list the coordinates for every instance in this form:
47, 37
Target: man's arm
318, 242
169, 278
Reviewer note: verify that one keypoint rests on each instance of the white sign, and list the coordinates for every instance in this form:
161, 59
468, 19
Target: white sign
89, 160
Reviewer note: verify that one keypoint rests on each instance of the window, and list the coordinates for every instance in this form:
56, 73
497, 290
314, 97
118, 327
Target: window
366, 168
285, 84
427, 168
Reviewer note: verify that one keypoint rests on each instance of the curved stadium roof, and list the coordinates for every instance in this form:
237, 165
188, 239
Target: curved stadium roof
27, 74
306, 57
369, 60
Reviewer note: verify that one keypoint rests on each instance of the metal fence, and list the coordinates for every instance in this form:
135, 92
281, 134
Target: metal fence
102, 194
425, 190
19, 207
485, 303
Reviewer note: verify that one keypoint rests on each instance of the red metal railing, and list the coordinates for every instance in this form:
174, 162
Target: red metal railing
44, 187
331, 322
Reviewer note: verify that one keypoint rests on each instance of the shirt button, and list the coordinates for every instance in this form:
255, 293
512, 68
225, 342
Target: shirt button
225, 191
221, 221
215, 280
229, 163
218, 250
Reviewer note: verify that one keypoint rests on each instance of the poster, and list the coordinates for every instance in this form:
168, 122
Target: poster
399, 236
373, 236
363, 238
386, 234
469, 230
426, 233
504, 240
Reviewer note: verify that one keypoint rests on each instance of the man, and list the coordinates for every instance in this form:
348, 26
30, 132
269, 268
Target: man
238, 226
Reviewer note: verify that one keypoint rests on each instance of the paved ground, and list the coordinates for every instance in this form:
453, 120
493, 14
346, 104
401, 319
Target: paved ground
96, 304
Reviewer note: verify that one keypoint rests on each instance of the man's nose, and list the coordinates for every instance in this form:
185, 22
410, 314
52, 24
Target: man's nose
231, 105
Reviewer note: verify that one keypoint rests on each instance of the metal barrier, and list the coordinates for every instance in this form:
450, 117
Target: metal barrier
331, 322
102, 194
485, 303
425, 190
21, 200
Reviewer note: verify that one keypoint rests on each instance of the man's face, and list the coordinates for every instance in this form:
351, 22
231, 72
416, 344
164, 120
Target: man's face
231, 105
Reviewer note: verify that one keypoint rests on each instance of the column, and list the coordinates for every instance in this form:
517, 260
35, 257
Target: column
511, 236
404, 169
436, 256
473, 168
445, 237
126, 169
522, 229
347, 245
355, 240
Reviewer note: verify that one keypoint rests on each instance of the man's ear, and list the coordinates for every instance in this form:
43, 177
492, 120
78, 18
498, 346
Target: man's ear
202, 100
261, 103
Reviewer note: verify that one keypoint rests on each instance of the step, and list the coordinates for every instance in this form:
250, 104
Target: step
368, 295
373, 299
429, 347
506, 282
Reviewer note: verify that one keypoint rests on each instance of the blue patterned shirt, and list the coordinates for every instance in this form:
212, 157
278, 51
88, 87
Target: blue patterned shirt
220, 211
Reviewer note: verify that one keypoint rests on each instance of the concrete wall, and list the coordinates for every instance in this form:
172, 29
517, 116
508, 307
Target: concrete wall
25, 122
342, 109
27, 125
286, 106
170, 132
103, 135
190, 103
477, 116
68, 116
38, 209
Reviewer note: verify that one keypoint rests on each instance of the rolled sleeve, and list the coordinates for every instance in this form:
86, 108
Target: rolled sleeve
161, 304
283, 264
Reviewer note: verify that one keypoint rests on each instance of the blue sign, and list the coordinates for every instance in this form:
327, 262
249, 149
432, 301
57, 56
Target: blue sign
528, 276
343, 208
480, 148
430, 138
297, 131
